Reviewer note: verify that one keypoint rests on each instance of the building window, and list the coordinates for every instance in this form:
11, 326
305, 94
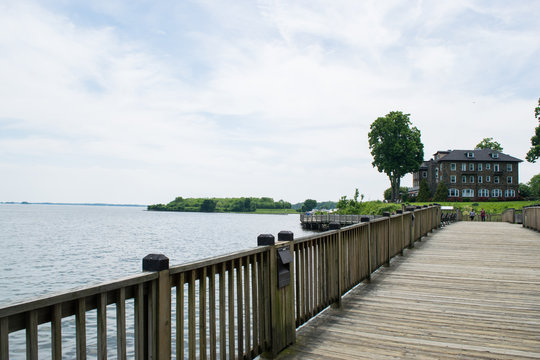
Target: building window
470, 155
508, 167
463, 167
480, 167
496, 193
471, 179
437, 174
495, 155
463, 179
453, 192
453, 179
488, 178
510, 193
424, 174
453, 166
483, 193
467, 193
480, 179
495, 179
471, 167
496, 167
509, 180
488, 166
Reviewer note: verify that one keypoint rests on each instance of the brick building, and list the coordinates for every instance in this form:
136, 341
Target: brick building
478, 175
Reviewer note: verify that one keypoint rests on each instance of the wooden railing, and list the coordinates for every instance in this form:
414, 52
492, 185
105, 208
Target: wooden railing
226, 307
531, 217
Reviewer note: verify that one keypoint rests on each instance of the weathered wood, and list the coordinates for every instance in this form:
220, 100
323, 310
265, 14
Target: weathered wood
222, 318
180, 349
80, 329
247, 312
191, 315
230, 308
475, 291
56, 332
202, 315
212, 310
102, 327
139, 323
239, 310
32, 336
4, 339
121, 352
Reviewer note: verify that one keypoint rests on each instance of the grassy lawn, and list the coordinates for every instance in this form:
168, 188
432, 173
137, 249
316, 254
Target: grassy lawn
495, 207
275, 211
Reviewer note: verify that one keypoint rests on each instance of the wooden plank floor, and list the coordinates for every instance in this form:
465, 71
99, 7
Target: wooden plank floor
467, 291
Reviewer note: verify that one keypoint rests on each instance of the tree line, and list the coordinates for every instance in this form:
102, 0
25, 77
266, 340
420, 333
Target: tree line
243, 204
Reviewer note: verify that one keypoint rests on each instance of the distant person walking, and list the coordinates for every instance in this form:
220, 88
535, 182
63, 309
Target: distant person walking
483, 215
472, 215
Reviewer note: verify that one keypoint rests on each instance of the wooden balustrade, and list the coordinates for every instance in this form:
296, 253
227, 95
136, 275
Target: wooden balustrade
531, 217
224, 307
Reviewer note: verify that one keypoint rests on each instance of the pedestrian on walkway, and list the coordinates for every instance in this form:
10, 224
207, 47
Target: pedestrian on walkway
483, 214
472, 214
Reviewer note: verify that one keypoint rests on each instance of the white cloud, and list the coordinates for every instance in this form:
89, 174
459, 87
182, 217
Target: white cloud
267, 98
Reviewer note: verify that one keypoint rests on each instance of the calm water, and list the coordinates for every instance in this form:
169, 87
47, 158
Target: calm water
50, 248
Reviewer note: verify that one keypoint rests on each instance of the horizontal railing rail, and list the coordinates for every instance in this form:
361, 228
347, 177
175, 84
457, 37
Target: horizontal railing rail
228, 307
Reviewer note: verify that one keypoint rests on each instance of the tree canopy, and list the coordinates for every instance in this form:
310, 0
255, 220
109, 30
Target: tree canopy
534, 152
309, 205
396, 147
489, 143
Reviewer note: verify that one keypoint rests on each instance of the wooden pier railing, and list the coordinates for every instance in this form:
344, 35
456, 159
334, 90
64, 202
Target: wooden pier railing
239, 305
531, 217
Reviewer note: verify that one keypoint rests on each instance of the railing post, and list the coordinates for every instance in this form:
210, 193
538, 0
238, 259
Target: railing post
366, 219
282, 315
337, 304
160, 317
401, 233
387, 215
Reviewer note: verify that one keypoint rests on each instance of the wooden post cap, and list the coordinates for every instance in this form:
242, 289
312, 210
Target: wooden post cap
155, 262
285, 236
265, 239
386, 213
364, 219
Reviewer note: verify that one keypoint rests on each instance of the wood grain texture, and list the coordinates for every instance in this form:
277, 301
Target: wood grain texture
471, 290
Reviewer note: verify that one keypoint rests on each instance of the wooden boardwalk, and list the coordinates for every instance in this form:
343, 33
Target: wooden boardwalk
468, 291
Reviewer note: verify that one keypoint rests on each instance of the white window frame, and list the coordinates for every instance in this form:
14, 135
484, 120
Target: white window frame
488, 166
488, 178
509, 180
480, 179
483, 193
479, 167
469, 193
510, 193
471, 167
452, 166
471, 179
496, 180
508, 167
463, 179
452, 179
496, 167
496, 193
453, 192
463, 166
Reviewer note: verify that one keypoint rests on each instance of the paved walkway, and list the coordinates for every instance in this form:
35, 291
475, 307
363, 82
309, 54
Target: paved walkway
467, 291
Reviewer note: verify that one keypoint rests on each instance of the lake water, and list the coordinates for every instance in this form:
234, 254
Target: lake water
50, 248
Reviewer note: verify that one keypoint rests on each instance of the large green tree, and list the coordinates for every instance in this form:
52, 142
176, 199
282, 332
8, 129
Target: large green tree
309, 205
534, 185
489, 143
534, 152
396, 147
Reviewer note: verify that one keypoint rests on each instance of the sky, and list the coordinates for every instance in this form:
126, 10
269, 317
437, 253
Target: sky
138, 102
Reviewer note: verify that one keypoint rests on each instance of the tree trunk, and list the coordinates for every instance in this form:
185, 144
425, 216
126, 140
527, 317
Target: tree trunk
395, 182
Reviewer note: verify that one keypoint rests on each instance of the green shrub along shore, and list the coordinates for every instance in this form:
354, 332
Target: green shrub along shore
263, 205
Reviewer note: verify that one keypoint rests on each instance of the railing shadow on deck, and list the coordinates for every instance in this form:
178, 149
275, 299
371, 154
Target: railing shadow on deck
227, 307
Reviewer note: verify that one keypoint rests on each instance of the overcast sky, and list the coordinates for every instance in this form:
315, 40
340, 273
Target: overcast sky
142, 101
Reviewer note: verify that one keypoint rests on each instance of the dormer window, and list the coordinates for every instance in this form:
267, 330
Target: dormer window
495, 155
470, 155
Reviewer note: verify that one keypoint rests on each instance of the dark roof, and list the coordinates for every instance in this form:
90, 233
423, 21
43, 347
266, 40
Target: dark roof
479, 155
